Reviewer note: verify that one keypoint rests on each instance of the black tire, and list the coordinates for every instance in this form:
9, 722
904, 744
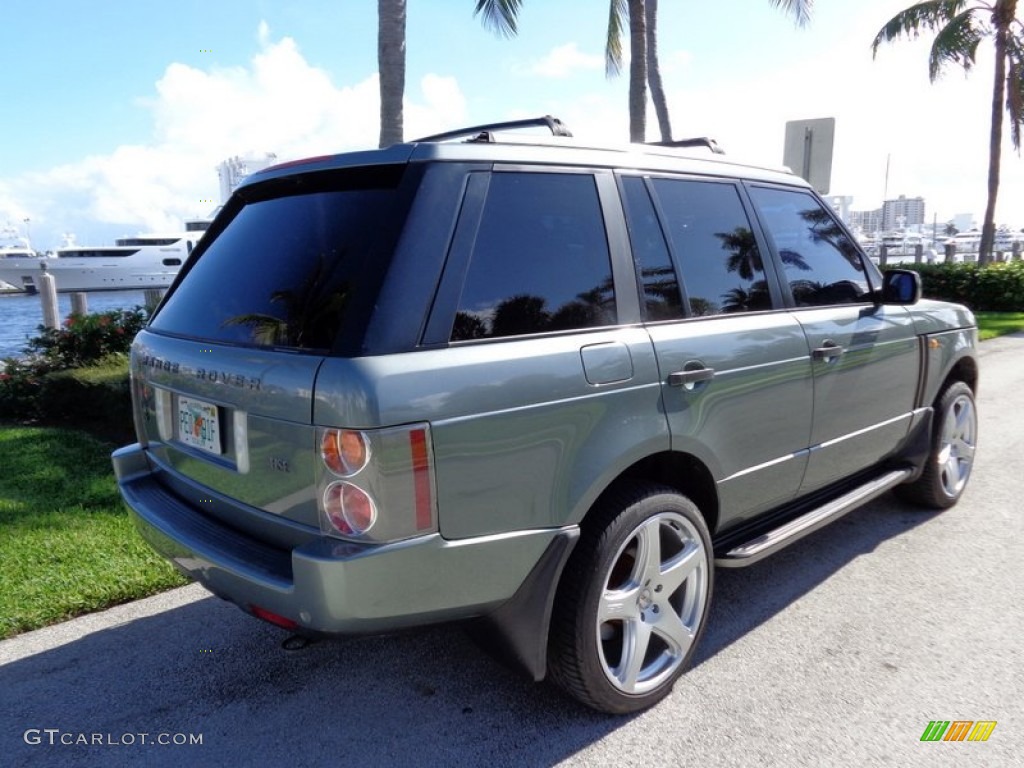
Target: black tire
954, 441
663, 610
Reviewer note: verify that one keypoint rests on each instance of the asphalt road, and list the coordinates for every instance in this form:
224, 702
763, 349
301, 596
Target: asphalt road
838, 651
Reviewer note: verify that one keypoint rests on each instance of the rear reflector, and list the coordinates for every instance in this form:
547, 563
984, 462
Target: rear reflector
273, 618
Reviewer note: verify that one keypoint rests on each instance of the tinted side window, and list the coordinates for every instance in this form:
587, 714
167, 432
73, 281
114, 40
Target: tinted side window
711, 237
821, 263
662, 300
540, 261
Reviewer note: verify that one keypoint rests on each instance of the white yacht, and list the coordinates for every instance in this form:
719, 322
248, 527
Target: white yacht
904, 243
13, 245
968, 243
142, 261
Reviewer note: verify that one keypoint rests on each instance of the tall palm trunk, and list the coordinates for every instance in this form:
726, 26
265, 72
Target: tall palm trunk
637, 72
654, 71
391, 67
1002, 17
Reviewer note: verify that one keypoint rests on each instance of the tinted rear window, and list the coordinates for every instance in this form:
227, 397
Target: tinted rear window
291, 265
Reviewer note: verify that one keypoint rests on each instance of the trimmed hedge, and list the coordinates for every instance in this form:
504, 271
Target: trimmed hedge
996, 287
96, 398
75, 374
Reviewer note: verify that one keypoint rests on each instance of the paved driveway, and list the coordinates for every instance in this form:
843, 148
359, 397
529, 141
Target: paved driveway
838, 651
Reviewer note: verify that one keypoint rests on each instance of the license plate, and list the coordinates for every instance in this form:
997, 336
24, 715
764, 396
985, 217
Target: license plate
198, 424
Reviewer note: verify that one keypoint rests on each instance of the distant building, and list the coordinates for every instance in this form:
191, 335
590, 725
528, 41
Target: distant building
865, 221
903, 213
234, 170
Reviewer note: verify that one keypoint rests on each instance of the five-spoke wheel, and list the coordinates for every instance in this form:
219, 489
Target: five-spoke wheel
633, 601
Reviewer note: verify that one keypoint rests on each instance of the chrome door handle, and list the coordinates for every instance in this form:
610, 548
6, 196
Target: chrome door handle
690, 377
827, 351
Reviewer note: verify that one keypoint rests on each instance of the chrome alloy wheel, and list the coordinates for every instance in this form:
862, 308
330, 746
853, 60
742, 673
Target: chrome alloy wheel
957, 445
654, 596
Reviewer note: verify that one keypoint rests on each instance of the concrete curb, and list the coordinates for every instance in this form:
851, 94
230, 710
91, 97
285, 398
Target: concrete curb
56, 635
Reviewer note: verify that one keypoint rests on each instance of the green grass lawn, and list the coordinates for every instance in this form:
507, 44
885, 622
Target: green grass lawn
992, 324
67, 546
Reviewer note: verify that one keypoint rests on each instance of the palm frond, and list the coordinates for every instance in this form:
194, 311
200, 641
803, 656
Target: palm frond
800, 10
929, 15
618, 14
499, 16
956, 43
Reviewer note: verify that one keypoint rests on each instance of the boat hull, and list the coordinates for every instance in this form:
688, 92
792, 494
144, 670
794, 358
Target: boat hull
79, 275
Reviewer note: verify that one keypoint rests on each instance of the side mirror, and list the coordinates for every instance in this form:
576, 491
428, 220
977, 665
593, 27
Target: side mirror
901, 286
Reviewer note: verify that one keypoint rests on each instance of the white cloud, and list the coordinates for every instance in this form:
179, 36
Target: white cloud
12, 210
566, 60
278, 103
934, 135
676, 62
443, 107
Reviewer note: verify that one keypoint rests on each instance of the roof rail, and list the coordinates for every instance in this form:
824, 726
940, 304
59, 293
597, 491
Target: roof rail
701, 141
483, 132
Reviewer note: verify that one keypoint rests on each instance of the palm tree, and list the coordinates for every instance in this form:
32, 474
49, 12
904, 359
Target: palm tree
960, 26
644, 57
391, 69
654, 70
641, 16
498, 14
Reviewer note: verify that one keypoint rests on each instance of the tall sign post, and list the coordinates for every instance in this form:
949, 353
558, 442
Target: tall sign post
808, 150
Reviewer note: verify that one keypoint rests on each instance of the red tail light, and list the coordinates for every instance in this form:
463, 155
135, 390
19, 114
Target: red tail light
349, 508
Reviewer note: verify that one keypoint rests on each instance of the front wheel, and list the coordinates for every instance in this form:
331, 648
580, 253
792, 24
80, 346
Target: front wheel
633, 600
954, 441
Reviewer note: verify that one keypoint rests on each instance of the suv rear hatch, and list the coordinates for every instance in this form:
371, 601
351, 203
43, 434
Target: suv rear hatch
224, 375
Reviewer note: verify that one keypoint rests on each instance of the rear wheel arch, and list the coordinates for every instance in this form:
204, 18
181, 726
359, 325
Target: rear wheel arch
682, 472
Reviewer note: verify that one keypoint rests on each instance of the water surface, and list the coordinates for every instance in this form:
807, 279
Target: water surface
21, 314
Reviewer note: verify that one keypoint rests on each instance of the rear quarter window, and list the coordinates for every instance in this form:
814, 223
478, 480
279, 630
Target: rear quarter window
540, 261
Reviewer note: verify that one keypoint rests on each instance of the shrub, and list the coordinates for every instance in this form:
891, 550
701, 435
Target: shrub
20, 380
101, 338
996, 287
88, 338
96, 398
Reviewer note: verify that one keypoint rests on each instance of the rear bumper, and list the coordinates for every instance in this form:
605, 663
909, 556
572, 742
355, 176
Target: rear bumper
328, 585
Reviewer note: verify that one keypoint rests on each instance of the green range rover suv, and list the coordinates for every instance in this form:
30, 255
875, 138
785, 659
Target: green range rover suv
542, 388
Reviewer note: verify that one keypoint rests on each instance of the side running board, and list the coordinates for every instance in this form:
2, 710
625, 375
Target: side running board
768, 543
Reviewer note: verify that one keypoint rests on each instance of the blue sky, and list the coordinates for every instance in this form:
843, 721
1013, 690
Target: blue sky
118, 111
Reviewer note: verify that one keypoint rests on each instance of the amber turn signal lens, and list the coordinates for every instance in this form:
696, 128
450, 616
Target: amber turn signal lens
344, 451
